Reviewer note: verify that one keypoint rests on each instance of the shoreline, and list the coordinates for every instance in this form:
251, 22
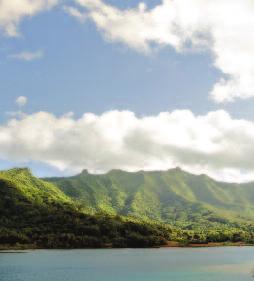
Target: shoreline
173, 244
170, 244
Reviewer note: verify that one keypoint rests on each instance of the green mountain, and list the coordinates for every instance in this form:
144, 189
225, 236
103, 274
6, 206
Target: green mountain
172, 196
36, 213
121, 209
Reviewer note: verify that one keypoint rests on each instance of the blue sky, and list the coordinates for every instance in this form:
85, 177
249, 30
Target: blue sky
82, 71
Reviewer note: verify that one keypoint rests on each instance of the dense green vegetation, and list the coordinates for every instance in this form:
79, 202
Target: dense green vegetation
36, 213
121, 209
172, 196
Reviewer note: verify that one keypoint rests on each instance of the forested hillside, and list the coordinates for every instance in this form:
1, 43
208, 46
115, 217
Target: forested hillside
121, 209
172, 196
36, 213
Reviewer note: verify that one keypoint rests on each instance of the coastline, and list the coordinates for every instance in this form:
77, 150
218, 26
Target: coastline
170, 244
173, 244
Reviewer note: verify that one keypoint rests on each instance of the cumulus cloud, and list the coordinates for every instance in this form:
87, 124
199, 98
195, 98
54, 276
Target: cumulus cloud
215, 143
21, 101
221, 26
28, 56
13, 11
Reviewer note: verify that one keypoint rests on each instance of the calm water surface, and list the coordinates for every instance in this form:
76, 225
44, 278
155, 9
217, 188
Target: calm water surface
206, 264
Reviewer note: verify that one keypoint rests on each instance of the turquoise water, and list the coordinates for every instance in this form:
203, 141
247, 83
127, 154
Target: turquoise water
206, 264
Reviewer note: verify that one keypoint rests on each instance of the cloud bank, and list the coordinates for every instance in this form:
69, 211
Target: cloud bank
221, 26
13, 11
214, 143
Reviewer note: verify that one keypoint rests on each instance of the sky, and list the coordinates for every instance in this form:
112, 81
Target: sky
151, 85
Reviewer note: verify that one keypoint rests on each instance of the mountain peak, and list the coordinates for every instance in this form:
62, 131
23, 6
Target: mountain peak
84, 172
177, 169
19, 170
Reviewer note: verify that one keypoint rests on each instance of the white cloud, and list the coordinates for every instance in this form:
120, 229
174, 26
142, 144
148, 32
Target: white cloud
75, 13
213, 143
21, 101
224, 27
135, 27
28, 56
13, 11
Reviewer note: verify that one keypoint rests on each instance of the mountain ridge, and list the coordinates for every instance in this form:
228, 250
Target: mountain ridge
179, 169
37, 214
174, 190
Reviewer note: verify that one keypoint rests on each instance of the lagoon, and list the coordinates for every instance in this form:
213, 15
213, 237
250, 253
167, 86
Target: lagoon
165, 264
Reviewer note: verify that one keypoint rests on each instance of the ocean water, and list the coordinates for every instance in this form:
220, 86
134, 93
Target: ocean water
166, 264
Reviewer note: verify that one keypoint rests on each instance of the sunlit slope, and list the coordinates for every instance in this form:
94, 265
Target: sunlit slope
20, 183
169, 196
37, 213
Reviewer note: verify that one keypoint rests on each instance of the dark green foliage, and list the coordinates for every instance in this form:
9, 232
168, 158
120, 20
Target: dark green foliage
36, 213
119, 209
201, 209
